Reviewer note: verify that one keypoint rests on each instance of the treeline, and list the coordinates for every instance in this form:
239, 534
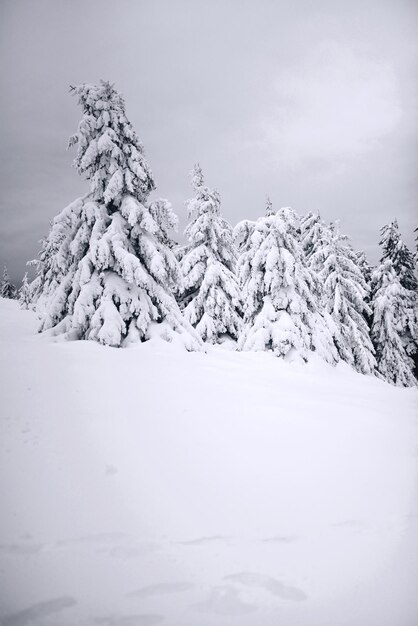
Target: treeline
110, 271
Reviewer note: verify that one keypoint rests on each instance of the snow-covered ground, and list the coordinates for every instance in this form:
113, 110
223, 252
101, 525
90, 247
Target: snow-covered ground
149, 485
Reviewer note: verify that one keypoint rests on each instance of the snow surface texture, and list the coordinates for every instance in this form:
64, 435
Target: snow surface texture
155, 486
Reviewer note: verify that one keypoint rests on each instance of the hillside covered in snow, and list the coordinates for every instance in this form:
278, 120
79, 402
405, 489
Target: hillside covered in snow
155, 486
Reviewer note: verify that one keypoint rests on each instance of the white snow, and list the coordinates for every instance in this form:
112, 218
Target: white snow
150, 485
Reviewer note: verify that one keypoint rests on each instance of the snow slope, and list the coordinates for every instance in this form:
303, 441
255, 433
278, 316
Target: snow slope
149, 485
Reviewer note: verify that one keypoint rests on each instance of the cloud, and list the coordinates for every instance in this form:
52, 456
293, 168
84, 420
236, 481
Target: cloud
335, 105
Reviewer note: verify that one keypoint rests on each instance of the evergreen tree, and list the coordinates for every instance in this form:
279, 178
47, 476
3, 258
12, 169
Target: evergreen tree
390, 315
7, 288
397, 251
313, 234
365, 267
280, 308
210, 299
416, 245
241, 234
403, 264
344, 297
106, 271
25, 293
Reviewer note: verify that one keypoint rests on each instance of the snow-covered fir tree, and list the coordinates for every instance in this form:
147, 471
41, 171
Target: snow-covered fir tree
344, 295
241, 234
280, 309
416, 251
403, 263
313, 234
7, 288
364, 265
25, 293
210, 297
390, 305
107, 271
314, 238
395, 249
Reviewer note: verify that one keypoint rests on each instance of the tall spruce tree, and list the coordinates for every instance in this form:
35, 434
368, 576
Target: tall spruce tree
280, 309
7, 288
390, 303
107, 273
344, 295
210, 298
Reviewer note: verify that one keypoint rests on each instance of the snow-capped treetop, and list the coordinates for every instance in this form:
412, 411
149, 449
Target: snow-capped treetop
241, 234
314, 236
391, 311
269, 207
7, 288
397, 251
210, 296
207, 226
109, 154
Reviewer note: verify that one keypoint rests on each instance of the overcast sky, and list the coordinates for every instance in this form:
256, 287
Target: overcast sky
312, 103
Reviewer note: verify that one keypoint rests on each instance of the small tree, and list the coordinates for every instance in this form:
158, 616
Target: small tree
25, 293
210, 298
107, 273
390, 314
7, 289
280, 308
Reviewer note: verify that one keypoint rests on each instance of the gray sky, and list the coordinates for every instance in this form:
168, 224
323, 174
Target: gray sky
313, 103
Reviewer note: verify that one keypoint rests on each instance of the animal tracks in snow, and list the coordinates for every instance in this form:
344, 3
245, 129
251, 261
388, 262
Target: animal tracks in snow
269, 584
281, 539
160, 589
203, 541
225, 600
36, 612
130, 620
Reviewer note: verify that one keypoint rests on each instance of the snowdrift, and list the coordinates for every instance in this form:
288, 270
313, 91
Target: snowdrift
150, 485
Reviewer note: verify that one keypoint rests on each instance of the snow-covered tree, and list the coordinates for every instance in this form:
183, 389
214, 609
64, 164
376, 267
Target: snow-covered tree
241, 234
313, 234
390, 305
395, 249
107, 273
210, 297
416, 251
7, 288
344, 297
364, 265
314, 238
403, 263
280, 310
25, 293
